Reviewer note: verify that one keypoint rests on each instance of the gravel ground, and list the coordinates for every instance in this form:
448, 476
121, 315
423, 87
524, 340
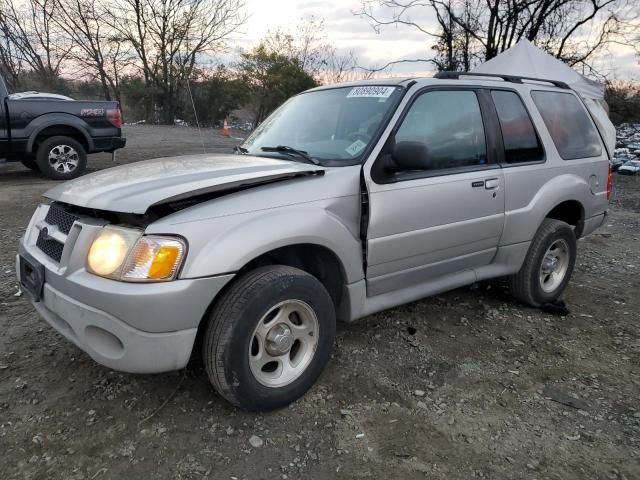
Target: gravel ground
468, 384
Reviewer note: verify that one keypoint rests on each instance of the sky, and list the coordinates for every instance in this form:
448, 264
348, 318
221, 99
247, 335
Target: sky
348, 32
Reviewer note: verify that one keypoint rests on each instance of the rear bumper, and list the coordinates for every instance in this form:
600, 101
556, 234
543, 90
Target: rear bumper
108, 144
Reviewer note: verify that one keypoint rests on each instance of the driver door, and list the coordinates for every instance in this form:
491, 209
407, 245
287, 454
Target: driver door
446, 218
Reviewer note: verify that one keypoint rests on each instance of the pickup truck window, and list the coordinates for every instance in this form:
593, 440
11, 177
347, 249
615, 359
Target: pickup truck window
521, 144
573, 133
450, 124
334, 125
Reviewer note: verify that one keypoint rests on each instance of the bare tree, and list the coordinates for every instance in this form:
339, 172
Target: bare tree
341, 67
32, 39
96, 46
305, 44
308, 46
468, 31
11, 63
454, 45
169, 36
623, 99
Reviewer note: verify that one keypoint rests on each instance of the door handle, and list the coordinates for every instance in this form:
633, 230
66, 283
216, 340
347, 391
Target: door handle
491, 183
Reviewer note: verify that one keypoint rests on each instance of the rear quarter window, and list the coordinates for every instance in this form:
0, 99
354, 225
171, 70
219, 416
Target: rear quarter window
571, 129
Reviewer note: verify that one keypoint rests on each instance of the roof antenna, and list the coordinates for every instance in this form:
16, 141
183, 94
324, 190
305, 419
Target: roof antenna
195, 114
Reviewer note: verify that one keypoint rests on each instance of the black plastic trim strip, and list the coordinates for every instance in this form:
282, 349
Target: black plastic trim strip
447, 75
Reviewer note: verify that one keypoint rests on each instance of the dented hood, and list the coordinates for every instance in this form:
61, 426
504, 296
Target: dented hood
136, 187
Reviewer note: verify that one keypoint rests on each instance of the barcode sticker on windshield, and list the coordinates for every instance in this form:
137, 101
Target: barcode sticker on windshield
355, 148
372, 91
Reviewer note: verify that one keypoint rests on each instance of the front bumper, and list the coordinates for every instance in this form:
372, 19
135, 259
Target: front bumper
131, 327
112, 342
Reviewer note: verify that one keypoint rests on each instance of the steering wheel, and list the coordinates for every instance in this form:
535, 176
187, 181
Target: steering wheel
353, 136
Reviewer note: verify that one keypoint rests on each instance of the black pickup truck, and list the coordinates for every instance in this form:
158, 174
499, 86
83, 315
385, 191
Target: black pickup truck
53, 134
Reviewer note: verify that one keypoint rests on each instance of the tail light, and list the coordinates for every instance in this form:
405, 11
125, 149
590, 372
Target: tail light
114, 116
609, 183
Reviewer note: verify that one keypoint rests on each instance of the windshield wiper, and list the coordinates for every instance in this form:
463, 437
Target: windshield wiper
292, 151
240, 148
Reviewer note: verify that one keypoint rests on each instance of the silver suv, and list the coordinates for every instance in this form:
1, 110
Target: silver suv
348, 200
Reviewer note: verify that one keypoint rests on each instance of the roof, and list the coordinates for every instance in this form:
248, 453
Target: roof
371, 81
447, 78
506, 78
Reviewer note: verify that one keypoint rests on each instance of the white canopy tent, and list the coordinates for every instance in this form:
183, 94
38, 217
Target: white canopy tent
526, 60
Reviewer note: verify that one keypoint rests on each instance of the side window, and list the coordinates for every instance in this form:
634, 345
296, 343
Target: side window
449, 124
570, 128
521, 144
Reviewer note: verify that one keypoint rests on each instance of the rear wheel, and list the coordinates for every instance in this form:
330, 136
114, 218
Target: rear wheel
548, 266
269, 338
61, 158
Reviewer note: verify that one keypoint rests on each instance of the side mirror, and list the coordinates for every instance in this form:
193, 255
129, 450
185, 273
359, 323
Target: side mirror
411, 156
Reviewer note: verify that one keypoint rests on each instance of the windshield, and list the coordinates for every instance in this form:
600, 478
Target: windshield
334, 125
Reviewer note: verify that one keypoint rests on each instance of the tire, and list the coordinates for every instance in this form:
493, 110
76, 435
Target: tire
531, 285
61, 158
30, 163
233, 348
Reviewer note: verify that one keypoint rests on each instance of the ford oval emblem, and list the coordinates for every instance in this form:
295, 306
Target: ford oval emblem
45, 234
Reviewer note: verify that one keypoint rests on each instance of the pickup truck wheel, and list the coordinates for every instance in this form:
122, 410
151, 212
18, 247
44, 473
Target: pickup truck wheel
30, 163
269, 337
548, 266
61, 158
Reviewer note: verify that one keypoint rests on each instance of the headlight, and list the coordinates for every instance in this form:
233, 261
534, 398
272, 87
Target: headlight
124, 254
110, 249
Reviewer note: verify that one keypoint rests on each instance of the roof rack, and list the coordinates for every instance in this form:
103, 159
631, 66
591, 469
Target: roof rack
447, 75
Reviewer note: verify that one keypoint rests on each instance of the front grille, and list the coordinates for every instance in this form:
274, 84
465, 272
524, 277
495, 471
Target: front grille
50, 247
57, 218
60, 218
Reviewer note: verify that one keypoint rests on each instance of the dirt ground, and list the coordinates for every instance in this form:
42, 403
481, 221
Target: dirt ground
468, 384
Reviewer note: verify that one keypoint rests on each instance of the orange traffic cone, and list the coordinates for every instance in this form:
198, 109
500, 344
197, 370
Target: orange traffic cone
225, 129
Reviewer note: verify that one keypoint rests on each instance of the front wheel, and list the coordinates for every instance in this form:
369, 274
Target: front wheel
269, 337
548, 266
61, 158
